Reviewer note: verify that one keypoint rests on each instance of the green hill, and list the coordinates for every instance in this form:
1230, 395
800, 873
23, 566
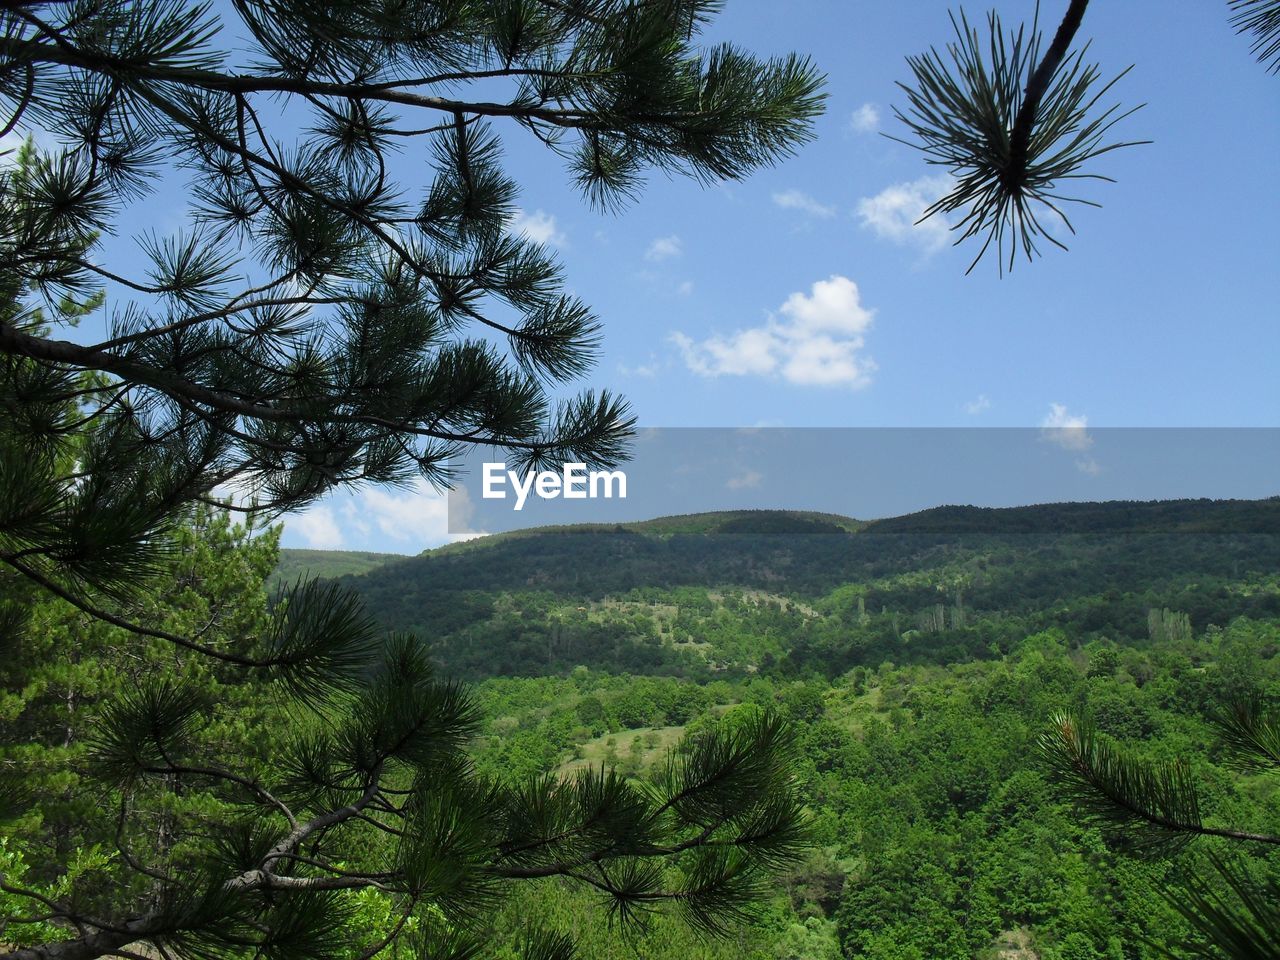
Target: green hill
919, 659
790, 591
329, 564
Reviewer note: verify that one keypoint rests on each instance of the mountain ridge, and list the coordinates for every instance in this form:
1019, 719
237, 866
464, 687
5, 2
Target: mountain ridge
747, 590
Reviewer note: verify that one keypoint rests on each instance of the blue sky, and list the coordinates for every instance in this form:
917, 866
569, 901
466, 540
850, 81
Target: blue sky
804, 297
715, 300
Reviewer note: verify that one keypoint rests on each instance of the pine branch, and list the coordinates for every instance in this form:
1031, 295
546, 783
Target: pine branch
1157, 805
1008, 125
1235, 917
1262, 19
1252, 735
1037, 87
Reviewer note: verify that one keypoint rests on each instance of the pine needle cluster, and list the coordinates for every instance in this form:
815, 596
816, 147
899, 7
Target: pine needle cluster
1012, 122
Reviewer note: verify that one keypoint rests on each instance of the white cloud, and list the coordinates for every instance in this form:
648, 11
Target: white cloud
685, 288
1089, 465
748, 480
817, 341
353, 518
1071, 432
866, 119
798, 200
419, 515
664, 248
539, 226
236, 489
977, 405
894, 211
1068, 430
646, 370
319, 527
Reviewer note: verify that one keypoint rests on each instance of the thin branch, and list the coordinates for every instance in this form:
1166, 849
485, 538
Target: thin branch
1037, 86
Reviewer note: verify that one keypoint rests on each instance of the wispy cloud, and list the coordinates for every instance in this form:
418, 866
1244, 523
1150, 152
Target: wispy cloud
799, 200
748, 480
977, 405
866, 119
647, 370
816, 341
664, 248
539, 226
894, 213
382, 518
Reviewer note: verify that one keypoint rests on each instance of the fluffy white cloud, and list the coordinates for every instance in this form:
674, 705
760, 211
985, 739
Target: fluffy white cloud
977, 405
1071, 432
319, 527
413, 519
799, 200
1068, 430
420, 515
539, 226
664, 248
866, 119
894, 212
817, 341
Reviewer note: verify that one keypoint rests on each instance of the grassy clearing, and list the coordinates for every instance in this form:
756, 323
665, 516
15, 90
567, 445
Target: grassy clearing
630, 749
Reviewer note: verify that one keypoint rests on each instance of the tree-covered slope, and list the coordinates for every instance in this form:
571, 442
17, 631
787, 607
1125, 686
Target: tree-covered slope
796, 593
298, 564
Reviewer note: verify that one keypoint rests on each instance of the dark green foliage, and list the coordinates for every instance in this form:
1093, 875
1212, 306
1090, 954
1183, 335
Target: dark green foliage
253, 770
639, 599
317, 325
1251, 734
248, 812
1156, 808
1011, 121
1113, 787
144, 728
940, 833
1235, 916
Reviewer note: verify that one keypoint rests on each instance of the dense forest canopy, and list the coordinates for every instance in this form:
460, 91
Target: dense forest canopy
703, 594
922, 658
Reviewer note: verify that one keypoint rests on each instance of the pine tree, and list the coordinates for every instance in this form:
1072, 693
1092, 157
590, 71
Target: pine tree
1156, 809
318, 324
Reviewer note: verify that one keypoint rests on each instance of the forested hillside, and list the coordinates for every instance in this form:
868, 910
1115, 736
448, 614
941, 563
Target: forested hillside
298, 564
921, 658
797, 594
